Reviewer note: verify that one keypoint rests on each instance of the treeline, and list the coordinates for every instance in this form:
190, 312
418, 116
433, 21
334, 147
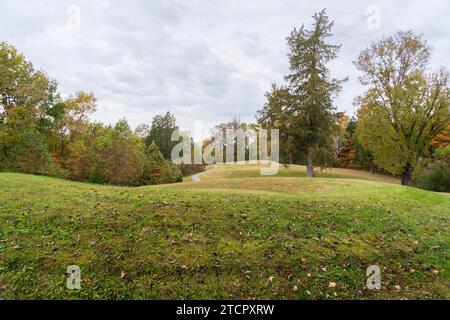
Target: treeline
116, 155
401, 128
41, 133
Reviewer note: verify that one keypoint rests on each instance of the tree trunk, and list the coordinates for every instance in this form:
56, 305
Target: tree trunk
372, 168
407, 175
310, 167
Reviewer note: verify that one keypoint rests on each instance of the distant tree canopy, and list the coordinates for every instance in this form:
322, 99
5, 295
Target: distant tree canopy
109, 154
220, 130
161, 133
41, 133
404, 108
303, 109
353, 155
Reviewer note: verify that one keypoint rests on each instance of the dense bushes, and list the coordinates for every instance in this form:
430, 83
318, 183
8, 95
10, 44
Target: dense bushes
24, 146
110, 155
157, 170
191, 169
434, 174
114, 155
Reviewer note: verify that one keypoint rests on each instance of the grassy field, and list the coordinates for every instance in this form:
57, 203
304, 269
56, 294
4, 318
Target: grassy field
232, 235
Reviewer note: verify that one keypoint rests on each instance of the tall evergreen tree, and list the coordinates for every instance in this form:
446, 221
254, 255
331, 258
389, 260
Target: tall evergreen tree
307, 108
313, 88
161, 133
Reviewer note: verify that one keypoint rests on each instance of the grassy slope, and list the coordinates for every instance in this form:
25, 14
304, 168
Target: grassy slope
224, 237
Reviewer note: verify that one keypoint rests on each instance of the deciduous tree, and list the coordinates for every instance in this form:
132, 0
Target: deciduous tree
404, 108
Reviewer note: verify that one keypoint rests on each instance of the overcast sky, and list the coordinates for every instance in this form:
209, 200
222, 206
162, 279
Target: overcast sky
204, 60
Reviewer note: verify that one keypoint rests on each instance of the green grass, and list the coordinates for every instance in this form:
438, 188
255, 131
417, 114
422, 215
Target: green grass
233, 235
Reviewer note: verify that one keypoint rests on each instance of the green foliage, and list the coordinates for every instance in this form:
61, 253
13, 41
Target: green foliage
164, 173
54, 170
303, 110
159, 171
161, 134
154, 155
16, 78
121, 158
172, 174
271, 116
112, 155
353, 154
404, 108
42, 134
29, 153
434, 174
74, 122
29, 109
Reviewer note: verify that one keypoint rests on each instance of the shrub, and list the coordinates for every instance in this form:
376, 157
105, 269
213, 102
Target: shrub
29, 153
172, 173
159, 171
54, 170
191, 169
110, 155
434, 174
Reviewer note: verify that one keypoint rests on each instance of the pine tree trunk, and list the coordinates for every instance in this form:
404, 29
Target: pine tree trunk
310, 167
407, 176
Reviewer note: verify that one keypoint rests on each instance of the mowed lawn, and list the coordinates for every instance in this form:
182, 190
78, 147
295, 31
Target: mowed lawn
231, 235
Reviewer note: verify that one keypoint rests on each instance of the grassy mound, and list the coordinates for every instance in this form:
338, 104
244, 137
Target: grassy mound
232, 235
